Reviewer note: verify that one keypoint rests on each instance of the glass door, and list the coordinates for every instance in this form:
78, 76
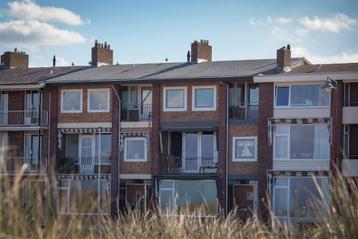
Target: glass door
32, 107
191, 152
207, 150
145, 102
87, 154
4, 103
32, 148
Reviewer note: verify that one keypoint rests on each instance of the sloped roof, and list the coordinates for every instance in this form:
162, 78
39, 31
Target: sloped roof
323, 68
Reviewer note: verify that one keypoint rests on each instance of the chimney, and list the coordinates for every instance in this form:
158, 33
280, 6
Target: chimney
15, 59
101, 54
54, 61
284, 56
201, 51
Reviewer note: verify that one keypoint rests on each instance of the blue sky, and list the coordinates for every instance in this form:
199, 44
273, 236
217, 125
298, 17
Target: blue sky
142, 31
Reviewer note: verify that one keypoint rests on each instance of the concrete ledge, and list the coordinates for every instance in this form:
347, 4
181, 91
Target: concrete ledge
135, 176
136, 124
84, 125
350, 167
350, 115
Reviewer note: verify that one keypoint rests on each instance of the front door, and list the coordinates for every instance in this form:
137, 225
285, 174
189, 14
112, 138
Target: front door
244, 198
86, 154
32, 149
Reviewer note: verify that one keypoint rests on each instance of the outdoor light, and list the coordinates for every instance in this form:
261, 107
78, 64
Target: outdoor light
329, 85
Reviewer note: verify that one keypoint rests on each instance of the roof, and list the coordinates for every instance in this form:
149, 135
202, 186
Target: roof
323, 68
35, 75
172, 71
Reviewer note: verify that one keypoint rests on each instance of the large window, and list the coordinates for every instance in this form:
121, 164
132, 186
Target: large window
299, 197
244, 149
186, 196
71, 101
135, 149
175, 99
98, 100
309, 95
204, 98
297, 142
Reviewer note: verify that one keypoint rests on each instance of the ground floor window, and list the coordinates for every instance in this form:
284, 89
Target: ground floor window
298, 198
83, 197
186, 196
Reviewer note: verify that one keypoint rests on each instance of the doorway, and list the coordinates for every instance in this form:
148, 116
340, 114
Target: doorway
245, 199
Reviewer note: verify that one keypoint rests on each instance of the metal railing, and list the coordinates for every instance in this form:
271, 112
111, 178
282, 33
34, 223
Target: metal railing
182, 165
23, 118
82, 165
243, 112
353, 156
136, 112
351, 103
33, 165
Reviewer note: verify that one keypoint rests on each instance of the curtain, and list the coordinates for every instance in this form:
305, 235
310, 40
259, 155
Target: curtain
321, 142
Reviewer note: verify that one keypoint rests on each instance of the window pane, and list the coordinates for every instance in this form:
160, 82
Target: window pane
135, 149
72, 146
207, 146
106, 146
99, 100
282, 96
175, 98
281, 202
245, 148
166, 200
281, 147
253, 94
204, 97
309, 95
71, 100
321, 142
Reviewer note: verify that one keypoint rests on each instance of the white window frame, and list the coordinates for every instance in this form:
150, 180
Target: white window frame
289, 97
125, 149
89, 102
179, 109
81, 101
289, 159
193, 96
234, 159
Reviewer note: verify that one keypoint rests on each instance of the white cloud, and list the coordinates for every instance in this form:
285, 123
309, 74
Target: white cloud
29, 10
60, 61
254, 21
344, 57
35, 33
332, 24
279, 20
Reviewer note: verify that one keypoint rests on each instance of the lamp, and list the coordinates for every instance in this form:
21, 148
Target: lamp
329, 85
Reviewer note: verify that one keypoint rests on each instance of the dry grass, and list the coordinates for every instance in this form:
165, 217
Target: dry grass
30, 222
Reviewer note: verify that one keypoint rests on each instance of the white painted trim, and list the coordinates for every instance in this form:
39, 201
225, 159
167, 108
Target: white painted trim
179, 109
234, 159
193, 98
307, 77
84, 125
135, 176
22, 86
98, 90
125, 149
81, 101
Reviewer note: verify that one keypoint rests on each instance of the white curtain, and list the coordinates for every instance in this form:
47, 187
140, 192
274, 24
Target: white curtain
3, 149
321, 142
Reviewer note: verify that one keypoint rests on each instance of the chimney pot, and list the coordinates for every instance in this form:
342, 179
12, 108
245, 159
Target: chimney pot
101, 54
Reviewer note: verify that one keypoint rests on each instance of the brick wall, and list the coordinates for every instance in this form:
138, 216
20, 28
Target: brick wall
337, 127
154, 143
115, 149
264, 147
85, 116
53, 116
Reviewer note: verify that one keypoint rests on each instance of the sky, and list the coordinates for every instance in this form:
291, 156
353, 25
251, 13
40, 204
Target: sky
149, 31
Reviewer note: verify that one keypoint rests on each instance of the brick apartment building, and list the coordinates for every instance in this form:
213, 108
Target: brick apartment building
176, 135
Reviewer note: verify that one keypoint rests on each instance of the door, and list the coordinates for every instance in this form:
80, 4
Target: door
32, 148
191, 152
87, 154
32, 107
4, 104
146, 103
244, 197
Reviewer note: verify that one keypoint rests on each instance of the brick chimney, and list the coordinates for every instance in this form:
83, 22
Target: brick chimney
284, 56
201, 51
101, 54
15, 59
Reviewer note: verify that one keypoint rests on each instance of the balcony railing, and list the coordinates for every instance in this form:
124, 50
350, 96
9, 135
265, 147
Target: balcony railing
182, 165
33, 165
243, 112
81, 165
23, 118
136, 112
351, 103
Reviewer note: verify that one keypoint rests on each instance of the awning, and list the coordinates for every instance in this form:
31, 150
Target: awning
84, 130
82, 177
275, 173
299, 120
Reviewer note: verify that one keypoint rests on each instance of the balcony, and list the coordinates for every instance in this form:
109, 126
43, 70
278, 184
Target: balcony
84, 165
350, 166
23, 118
185, 165
136, 113
33, 165
243, 112
350, 113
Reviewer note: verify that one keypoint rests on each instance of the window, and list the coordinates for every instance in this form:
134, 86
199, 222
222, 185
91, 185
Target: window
105, 148
301, 142
98, 100
71, 101
204, 98
299, 198
185, 196
135, 149
308, 95
175, 99
244, 149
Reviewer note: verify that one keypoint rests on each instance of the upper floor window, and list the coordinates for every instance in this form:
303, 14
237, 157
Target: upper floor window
175, 99
135, 149
301, 142
71, 101
244, 149
204, 98
98, 100
309, 95
243, 100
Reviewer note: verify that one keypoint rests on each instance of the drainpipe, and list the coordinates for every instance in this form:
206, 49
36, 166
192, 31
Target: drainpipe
227, 150
99, 168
